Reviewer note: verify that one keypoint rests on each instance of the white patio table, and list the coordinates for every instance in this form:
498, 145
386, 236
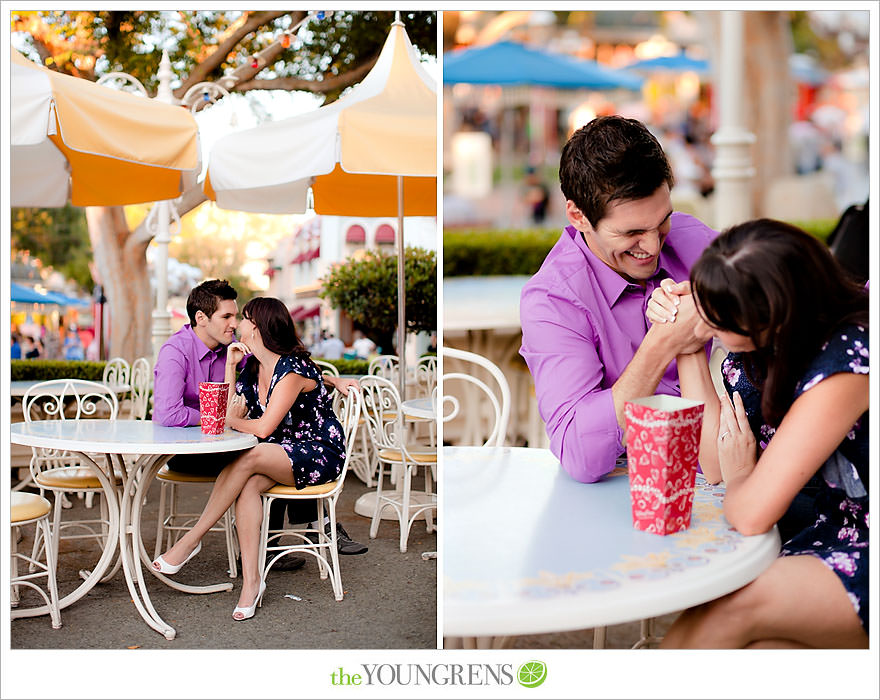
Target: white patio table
574, 560
155, 444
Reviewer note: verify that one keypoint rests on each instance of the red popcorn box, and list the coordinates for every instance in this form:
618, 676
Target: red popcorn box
662, 446
212, 406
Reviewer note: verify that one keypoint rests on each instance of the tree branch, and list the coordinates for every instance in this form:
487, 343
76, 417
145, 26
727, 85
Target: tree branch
204, 68
337, 82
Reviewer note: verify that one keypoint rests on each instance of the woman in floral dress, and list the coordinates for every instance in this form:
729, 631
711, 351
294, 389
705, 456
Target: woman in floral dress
796, 414
281, 398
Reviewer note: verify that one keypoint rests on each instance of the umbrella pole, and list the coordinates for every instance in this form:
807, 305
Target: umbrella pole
401, 293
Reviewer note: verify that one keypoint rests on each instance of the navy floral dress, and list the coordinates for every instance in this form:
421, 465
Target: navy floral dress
839, 535
310, 433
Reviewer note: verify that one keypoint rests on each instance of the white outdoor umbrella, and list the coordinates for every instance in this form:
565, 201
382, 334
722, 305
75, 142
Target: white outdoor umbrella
73, 140
370, 153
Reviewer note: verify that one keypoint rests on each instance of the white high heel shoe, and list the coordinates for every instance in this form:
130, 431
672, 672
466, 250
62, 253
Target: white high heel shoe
249, 611
164, 567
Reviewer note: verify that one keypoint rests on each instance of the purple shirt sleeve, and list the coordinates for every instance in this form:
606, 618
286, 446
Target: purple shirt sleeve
568, 373
170, 378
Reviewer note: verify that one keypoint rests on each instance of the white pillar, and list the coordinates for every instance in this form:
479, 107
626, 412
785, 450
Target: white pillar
732, 169
161, 315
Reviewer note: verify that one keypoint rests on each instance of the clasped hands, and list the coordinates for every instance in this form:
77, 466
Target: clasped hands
672, 311
670, 304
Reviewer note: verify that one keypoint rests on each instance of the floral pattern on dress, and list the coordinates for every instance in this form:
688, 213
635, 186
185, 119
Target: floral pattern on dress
839, 535
310, 432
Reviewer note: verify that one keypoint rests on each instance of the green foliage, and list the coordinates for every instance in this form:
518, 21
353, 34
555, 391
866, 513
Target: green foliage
366, 289
58, 237
345, 366
820, 228
43, 370
496, 252
483, 253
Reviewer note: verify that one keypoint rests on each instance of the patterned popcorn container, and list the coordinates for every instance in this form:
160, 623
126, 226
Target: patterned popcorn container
662, 445
212, 406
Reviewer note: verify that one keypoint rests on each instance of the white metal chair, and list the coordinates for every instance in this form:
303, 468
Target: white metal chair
426, 374
315, 542
468, 392
117, 372
31, 509
141, 382
327, 368
389, 433
386, 366
63, 472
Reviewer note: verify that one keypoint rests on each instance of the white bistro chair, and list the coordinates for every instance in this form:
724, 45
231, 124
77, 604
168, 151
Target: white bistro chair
389, 433
31, 509
63, 472
315, 542
478, 390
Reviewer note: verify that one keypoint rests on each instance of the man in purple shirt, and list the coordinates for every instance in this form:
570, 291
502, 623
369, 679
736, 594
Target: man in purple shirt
197, 353
585, 337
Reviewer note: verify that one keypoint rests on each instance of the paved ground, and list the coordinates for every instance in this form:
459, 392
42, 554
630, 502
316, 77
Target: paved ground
390, 598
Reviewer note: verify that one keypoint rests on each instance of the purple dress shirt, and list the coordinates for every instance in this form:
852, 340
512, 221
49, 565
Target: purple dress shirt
582, 324
184, 361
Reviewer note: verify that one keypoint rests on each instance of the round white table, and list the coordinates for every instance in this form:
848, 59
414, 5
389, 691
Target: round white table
155, 444
569, 557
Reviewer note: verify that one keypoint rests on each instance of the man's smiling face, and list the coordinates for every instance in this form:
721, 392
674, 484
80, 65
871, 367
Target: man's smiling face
631, 234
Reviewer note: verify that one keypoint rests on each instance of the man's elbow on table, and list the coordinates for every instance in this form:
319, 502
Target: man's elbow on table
588, 463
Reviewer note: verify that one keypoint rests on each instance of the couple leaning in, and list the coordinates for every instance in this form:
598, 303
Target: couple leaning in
626, 304
280, 396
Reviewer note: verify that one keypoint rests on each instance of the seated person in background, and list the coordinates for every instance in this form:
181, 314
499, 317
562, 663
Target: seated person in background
197, 353
585, 337
797, 374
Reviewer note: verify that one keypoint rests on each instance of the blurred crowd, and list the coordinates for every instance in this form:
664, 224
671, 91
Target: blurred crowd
33, 341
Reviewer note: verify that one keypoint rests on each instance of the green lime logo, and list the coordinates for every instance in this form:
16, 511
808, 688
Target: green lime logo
531, 674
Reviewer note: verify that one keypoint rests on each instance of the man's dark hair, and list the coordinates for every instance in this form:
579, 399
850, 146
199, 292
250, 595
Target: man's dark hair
206, 297
608, 159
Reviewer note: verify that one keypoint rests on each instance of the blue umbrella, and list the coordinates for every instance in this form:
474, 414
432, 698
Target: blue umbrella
680, 63
25, 295
509, 63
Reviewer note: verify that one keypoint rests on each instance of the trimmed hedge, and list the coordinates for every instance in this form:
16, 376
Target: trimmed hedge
345, 366
43, 370
521, 252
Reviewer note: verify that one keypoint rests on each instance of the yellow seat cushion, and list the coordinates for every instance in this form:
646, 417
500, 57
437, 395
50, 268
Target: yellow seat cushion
417, 457
317, 490
166, 474
71, 478
27, 506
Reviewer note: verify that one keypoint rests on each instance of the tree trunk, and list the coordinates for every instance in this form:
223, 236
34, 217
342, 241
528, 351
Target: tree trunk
120, 258
768, 93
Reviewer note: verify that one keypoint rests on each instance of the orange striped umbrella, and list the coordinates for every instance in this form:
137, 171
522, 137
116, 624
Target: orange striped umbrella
75, 141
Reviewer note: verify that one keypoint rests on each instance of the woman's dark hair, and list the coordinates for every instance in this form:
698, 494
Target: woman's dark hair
783, 289
611, 158
273, 320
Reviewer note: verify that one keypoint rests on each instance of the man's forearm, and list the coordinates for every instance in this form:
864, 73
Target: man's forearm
643, 373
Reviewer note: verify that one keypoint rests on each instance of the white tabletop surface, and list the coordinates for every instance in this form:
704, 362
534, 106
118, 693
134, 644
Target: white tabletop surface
528, 550
125, 437
420, 408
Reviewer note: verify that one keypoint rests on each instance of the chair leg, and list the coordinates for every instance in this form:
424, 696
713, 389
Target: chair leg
229, 532
377, 511
160, 521
599, 638
52, 582
404, 506
335, 575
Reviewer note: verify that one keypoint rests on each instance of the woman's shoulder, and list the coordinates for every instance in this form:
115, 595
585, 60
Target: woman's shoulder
846, 350
297, 363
